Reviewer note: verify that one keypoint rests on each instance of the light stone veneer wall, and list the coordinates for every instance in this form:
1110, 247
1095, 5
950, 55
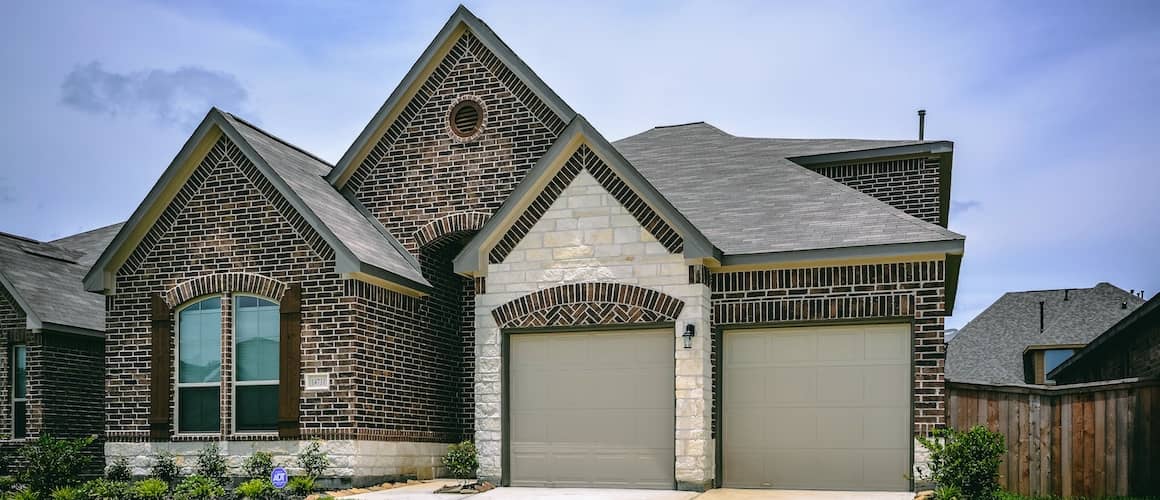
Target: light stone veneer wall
587, 236
352, 462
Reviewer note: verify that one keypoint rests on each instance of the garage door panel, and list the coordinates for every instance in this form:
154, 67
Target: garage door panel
817, 408
605, 416
789, 384
840, 384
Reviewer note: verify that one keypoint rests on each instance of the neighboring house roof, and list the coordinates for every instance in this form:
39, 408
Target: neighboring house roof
748, 197
361, 245
1150, 311
45, 280
990, 348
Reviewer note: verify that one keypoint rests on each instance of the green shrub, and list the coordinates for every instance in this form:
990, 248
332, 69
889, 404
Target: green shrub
118, 470
301, 485
258, 466
460, 460
948, 493
966, 462
25, 494
105, 489
151, 489
54, 463
197, 487
256, 489
212, 464
313, 460
66, 493
7, 483
165, 467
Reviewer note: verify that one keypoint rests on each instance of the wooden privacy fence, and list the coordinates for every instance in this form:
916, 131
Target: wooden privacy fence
1090, 439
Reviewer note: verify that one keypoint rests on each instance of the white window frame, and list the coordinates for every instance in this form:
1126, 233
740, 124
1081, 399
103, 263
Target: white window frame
15, 399
178, 385
234, 382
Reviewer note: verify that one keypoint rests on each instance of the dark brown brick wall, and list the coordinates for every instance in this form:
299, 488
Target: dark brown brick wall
1131, 354
418, 172
12, 330
68, 378
229, 219
910, 185
900, 290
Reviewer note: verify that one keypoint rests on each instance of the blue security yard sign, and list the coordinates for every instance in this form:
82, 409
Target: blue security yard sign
279, 477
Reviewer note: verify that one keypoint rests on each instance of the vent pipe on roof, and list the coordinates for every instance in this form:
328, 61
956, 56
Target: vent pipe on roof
1065, 291
1041, 316
921, 124
1123, 304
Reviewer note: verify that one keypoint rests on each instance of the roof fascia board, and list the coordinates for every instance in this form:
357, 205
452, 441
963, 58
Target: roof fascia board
474, 256
461, 20
412, 287
1148, 308
100, 277
951, 247
31, 320
72, 330
926, 148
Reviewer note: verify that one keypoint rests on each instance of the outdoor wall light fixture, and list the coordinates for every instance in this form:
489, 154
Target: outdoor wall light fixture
690, 331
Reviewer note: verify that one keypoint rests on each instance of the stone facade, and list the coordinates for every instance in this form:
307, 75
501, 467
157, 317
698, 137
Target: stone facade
910, 185
353, 462
587, 236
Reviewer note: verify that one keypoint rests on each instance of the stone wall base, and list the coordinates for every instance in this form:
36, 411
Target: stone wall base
353, 463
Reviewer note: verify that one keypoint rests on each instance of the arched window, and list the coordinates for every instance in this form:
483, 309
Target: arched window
255, 364
199, 364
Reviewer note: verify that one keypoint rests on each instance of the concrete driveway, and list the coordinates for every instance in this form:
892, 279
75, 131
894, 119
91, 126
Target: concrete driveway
425, 491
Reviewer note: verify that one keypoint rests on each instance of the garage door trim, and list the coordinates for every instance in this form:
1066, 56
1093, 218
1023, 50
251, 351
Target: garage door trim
719, 377
505, 378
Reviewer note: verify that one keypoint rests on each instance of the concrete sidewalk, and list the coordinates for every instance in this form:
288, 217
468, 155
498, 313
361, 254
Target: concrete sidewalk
425, 491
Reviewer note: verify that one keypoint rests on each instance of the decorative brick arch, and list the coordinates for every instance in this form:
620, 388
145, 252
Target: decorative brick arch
225, 282
582, 304
459, 222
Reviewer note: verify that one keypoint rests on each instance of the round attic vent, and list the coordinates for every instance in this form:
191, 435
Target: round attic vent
466, 119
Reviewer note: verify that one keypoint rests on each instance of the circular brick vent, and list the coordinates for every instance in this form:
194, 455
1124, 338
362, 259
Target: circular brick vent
466, 119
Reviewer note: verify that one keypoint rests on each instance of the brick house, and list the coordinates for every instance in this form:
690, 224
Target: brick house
1129, 349
683, 308
51, 338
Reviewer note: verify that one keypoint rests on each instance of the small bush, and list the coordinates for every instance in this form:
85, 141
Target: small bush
256, 489
301, 485
313, 460
948, 493
212, 464
151, 489
24, 494
118, 470
966, 462
104, 489
258, 466
66, 493
7, 483
461, 461
165, 467
197, 487
54, 463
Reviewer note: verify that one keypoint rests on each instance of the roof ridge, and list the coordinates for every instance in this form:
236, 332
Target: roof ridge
18, 237
284, 142
93, 230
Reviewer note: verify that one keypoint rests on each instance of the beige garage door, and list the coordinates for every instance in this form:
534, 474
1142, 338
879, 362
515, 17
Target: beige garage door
592, 409
817, 408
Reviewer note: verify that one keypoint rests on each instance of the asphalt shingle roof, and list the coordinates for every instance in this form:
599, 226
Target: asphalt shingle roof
305, 175
746, 196
989, 349
47, 277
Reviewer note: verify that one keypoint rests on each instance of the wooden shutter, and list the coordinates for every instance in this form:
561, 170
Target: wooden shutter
160, 386
290, 361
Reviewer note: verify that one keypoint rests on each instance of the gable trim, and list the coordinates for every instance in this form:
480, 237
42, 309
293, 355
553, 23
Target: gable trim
462, 20
100, 277
474, 258
31, 320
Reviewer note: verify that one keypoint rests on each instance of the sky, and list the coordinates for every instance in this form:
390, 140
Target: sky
1052, 105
